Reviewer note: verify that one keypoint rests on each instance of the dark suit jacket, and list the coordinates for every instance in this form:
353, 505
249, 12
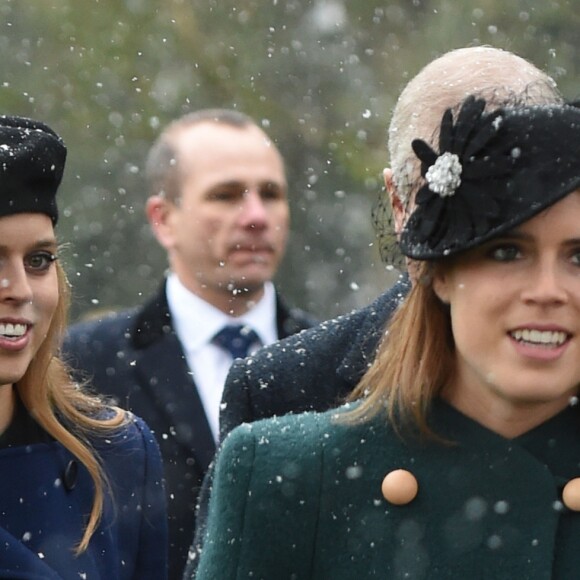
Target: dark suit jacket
46, 494
300, 497
135, 357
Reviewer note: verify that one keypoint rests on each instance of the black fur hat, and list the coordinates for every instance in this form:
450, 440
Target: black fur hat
494, 171
32, 158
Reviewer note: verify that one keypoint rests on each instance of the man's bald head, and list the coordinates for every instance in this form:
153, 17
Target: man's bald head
499, 76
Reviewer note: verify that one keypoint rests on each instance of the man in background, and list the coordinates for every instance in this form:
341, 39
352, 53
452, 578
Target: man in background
218, 205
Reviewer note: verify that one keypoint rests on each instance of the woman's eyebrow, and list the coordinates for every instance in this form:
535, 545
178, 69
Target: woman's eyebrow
45, 243
523, 236
42, 243
515, 235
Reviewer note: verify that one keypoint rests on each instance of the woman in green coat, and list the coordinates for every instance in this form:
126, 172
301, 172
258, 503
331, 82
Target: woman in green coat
459, 456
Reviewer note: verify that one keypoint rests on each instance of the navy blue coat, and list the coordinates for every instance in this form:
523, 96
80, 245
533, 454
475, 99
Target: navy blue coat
136, 357
46, 494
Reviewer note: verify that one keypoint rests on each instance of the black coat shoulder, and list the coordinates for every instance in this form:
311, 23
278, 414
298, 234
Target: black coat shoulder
312, 370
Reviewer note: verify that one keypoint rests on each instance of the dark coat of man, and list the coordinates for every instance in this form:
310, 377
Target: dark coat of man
312, 371
302, 497
136, 358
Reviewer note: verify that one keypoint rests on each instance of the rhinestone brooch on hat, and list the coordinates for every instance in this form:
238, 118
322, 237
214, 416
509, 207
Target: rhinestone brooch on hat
444, 176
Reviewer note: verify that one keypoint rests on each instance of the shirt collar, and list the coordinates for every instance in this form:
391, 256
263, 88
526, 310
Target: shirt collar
196, 322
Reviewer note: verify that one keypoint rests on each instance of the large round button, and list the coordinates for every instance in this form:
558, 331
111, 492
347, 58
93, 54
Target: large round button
400, 487
571, 494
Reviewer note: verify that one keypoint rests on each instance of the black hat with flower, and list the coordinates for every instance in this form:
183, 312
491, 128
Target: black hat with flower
494, 171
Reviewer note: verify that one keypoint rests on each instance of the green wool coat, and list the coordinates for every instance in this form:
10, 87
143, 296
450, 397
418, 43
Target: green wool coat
300, 497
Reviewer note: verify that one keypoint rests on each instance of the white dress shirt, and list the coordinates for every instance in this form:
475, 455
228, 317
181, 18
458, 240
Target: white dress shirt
196, 322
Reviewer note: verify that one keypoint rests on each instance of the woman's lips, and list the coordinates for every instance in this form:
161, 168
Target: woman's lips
14, 336
544, 344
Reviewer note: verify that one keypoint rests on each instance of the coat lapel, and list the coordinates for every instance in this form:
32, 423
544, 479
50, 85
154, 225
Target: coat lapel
290, 321
161, 368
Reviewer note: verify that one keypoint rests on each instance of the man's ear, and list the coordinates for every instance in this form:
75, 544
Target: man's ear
158, 211
397, 206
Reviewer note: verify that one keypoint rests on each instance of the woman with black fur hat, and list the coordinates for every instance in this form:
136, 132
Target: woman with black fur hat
459, 456
81, 493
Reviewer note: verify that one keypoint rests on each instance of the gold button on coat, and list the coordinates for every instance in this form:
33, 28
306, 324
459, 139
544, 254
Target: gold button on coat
400, 487
571, 494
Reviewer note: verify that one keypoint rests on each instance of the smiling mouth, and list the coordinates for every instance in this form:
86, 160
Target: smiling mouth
545, 338
12, 331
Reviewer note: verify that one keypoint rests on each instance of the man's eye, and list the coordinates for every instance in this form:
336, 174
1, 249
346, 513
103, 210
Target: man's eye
226, 195
271, 192
223, 195
39, 261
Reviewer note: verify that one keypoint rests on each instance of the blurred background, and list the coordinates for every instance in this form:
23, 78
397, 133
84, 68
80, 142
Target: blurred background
320, 76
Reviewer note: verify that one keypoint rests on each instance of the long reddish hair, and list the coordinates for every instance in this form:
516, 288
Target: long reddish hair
56, 403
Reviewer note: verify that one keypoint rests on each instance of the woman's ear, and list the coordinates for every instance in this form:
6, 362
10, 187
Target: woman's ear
441, 285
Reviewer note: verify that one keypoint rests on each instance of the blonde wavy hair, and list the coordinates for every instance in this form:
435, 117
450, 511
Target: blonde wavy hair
56, 403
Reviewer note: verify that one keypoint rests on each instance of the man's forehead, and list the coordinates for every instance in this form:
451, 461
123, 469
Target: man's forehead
230, 165
207, 143
205, 132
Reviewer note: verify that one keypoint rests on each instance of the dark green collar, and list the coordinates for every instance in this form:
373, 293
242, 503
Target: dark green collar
555, 443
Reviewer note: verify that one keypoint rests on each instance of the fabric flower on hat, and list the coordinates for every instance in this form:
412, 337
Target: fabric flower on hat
448, 207
494, 171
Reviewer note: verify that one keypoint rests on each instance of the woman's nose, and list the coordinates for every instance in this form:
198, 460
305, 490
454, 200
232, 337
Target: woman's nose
15, 284
545, 285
